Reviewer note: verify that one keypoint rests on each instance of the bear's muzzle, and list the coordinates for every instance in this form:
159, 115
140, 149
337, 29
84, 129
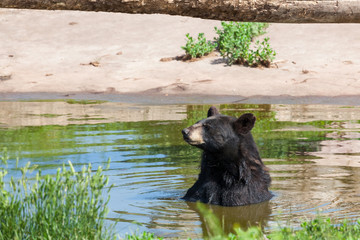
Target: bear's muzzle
193, 135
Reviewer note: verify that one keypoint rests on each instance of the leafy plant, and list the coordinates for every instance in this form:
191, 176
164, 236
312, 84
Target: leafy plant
199, 48
234, 31
264, 55
69, 205
234, 43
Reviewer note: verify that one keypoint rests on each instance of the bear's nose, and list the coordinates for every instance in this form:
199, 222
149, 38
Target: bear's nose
185, 131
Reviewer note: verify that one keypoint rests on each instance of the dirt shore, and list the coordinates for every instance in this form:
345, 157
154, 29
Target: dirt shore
117, 56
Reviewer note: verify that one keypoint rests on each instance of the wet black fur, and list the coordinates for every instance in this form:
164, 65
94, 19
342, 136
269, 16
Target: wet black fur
232, 172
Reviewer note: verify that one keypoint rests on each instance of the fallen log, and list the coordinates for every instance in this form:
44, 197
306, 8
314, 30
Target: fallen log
286, 11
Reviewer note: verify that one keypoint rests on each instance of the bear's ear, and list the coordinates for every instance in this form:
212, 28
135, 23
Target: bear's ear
244, 123
212, 111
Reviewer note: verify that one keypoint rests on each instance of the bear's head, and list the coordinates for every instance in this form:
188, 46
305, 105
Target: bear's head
218, 133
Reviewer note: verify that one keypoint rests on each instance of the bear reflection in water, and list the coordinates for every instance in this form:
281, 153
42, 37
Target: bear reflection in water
232, 172
233, 217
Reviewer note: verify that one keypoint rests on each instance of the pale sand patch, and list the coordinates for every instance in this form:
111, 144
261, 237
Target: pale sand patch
115, 53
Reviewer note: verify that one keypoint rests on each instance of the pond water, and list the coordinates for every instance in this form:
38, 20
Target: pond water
313, 152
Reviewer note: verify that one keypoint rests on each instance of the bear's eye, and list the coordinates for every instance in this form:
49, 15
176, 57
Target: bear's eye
206, 127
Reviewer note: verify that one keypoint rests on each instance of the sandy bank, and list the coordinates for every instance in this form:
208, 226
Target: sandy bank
70, 52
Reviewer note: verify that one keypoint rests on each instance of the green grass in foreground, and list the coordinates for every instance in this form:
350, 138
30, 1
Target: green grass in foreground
73, 205
319, 228
68, 205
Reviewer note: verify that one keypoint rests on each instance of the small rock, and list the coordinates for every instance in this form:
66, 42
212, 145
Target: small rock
5, 77
95, 64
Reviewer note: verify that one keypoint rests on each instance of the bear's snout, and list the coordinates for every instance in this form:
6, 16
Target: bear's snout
193, 135
185, 132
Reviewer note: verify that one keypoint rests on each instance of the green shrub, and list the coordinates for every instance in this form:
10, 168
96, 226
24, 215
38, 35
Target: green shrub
234, 31
234, 43
263, 55
69, 205
197, 49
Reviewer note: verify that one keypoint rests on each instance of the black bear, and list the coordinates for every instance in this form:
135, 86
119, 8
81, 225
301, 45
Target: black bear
232, 172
